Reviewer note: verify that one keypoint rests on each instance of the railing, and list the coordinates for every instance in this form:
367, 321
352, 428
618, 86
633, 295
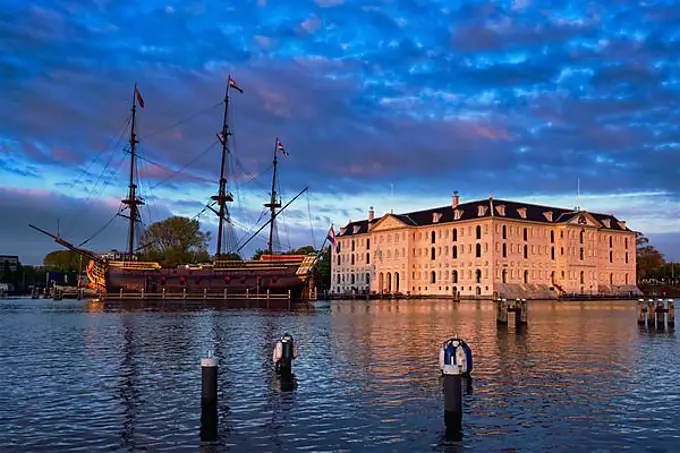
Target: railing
196, 296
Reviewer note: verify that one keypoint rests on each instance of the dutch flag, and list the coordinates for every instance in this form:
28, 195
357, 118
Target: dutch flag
332, 240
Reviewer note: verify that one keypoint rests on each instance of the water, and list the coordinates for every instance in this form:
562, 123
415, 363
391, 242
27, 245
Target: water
582, 376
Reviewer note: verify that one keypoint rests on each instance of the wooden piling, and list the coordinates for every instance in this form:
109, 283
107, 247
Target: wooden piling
523, 312
671, 313
651, 313
502, 312
642, 312
660, 314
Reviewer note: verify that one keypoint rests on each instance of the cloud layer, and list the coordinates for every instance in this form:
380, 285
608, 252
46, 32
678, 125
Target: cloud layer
518, 98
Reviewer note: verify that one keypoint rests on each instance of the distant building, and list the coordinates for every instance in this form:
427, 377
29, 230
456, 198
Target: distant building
486, 248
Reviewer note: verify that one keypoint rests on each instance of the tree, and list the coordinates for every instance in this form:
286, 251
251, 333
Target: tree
176, 240
324, 268
62, 261
649, 259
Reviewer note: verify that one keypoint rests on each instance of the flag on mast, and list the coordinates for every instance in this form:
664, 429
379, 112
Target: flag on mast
331, 238
140, 101
232, 83
282, 149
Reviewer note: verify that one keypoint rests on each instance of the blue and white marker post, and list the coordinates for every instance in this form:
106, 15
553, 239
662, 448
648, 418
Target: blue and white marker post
455, 361
209, 398
285, 351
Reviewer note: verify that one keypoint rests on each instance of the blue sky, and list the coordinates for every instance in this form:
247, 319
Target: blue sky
518, 98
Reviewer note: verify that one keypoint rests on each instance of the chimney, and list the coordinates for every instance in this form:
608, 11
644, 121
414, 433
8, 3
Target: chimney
456, 199
371, 214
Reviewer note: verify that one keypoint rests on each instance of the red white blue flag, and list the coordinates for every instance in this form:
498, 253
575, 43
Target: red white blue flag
331, 238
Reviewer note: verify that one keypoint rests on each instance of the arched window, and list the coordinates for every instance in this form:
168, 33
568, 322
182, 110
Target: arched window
504, 276
526, 276
352, 278
454, 276
610, 242
368, 279
552, 277
626, 279
552, 253
626, 257
368, 244
352, 244
432, 253
396, 281
433, 236
478, 232
505, 250
583, 277
454, 235
552, 237
368, 258
526, 251
611, 279
505, 232
478, 250
580, 237
626, 242
352, 259
455, 251
581, 252
478, 276
526, 235
433, 277
338, 260
611, 256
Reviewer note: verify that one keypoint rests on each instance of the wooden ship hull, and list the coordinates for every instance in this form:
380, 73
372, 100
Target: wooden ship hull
290, 278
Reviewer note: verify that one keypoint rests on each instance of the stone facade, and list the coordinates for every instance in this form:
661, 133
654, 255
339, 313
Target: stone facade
484, 249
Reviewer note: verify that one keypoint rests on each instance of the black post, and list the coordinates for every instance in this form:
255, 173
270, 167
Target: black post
209, 399
284, 353
453, 403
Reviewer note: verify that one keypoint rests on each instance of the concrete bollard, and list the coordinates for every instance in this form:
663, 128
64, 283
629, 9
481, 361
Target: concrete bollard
285, 351
671, 313
209, 398
641, 312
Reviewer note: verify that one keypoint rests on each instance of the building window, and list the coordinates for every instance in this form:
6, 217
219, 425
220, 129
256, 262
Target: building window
526, 236
505, 232
580, 237
505, 250
352, 279
626, 279
626, 257
581, 254
433, 236
583, 277
368, 244
352, 260
454, 276
552, 237
626, 242
610, 242
478, 232
611, 279
455, 251
368, 258
478, 276
505, 276
433, 277
526, 276
526, 250
611, 256
454, 234
352, 244
552, 253
339, 260
478, 250
432, 254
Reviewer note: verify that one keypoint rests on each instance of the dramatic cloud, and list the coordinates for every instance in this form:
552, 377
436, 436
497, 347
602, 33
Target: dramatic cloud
393, 104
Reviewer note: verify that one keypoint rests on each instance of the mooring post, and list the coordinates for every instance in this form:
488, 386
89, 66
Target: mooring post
523, 312
205, 293
660, 314
225, 293
267, 293
163, 294
641, 312
209, 398
184, 293
288, 294
121, 294
455, 361
142, 291
285, 351
651, 313
247, 293
671, 313
502, 315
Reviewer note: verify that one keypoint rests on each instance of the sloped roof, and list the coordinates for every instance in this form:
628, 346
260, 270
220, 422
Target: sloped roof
469, 211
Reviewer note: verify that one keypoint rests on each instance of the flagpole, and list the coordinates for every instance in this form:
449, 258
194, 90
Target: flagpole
272, 205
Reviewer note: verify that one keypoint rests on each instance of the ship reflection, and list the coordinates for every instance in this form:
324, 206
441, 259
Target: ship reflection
129, 393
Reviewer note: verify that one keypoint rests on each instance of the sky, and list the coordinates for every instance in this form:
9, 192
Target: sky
386, 103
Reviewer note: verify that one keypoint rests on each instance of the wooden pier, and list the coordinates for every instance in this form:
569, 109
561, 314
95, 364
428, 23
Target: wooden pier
517, 306
205, 295
659, 313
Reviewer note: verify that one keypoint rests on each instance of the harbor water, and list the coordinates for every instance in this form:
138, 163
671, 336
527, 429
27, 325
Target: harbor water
581, 376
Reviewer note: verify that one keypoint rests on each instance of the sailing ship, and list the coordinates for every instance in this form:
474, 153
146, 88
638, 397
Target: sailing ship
291, 275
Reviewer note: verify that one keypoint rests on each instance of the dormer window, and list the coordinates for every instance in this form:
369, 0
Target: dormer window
607, 223
548, 216
500, 209
457, 214
436, 217
481, 210
342, 231
355, 229
522, 212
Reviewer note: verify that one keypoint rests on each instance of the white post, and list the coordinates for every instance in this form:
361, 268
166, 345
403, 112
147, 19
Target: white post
225, 293
288, 294
121, 294
163, 294
142, 293
184, 293
205, 293
247, 293
267, 293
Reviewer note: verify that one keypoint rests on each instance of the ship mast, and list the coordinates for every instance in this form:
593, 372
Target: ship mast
223, 197
132, 201
273, 204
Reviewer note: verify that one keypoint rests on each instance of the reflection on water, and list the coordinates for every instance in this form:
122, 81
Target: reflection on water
582, 375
